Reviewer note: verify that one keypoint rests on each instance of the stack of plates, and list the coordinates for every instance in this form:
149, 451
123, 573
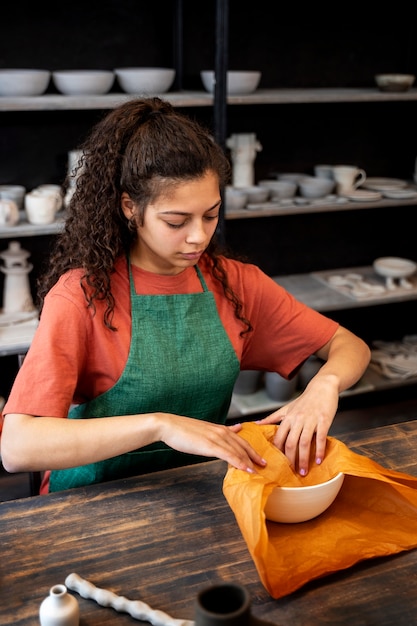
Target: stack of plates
362, 195
394, 188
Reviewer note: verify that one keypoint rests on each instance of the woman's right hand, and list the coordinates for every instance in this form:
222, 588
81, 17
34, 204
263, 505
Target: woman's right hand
194, 436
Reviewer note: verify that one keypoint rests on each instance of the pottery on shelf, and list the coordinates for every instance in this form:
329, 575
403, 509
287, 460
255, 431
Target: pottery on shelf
17, 296
244, 147
9, 212
59, 608
395, 268
13, 192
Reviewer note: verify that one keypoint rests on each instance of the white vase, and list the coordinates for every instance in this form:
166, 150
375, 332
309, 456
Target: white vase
17, 295
244, 147
60, 608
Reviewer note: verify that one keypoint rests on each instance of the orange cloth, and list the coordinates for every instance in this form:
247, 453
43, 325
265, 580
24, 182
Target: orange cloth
374, 514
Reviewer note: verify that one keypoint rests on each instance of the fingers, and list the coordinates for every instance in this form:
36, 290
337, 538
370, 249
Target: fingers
242, 455
212, 440
295, 438
321, 441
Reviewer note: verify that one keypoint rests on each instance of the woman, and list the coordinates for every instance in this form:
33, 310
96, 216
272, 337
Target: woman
144, 322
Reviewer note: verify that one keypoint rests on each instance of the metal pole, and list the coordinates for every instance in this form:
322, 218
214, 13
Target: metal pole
220, 67
220, 91
178, 44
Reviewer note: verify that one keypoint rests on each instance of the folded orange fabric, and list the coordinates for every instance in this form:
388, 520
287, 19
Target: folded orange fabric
374, 514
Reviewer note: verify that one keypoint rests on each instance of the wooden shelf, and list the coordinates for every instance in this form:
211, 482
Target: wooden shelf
316, 294
16, 338
56, 102
52, 102
24, 229
275, 209
322, 96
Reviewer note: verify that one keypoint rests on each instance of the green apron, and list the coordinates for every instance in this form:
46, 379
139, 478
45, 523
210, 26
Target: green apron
180, 361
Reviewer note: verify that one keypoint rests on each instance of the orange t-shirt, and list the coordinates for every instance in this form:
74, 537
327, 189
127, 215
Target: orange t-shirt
74, 357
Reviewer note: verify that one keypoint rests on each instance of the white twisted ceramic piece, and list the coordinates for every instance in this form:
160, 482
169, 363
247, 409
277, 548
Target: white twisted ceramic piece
137, 609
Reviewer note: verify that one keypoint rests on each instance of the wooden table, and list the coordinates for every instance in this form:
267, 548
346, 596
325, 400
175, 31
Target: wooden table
162, 537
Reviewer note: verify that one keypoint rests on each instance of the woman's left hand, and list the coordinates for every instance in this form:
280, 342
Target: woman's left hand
307, 417
311, 414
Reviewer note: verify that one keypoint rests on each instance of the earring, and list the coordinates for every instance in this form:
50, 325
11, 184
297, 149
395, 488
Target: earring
131, 224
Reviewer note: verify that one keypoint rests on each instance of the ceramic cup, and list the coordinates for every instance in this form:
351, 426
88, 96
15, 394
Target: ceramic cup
348, 178
13, 192
9, 212
54, 190
40, 207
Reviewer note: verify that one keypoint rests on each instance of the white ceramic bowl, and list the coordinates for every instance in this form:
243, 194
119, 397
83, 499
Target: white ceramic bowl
256, 193
22, 82
394, 267
394, 82
294, 177
315, 187
144, 80
235, 198
291, 505
279, 189
237, 83
83, 82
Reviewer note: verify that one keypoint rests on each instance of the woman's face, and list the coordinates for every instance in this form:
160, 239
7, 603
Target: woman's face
177, 227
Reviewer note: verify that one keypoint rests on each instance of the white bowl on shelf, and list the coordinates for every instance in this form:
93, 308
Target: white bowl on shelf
315, 187
83, 82
23, 82
256, 193
237, 82
145, 80
279, 189
235, 198
293, 177
394, 267
394, 82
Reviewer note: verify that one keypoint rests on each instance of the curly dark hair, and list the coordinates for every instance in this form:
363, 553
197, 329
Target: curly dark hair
142, 147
